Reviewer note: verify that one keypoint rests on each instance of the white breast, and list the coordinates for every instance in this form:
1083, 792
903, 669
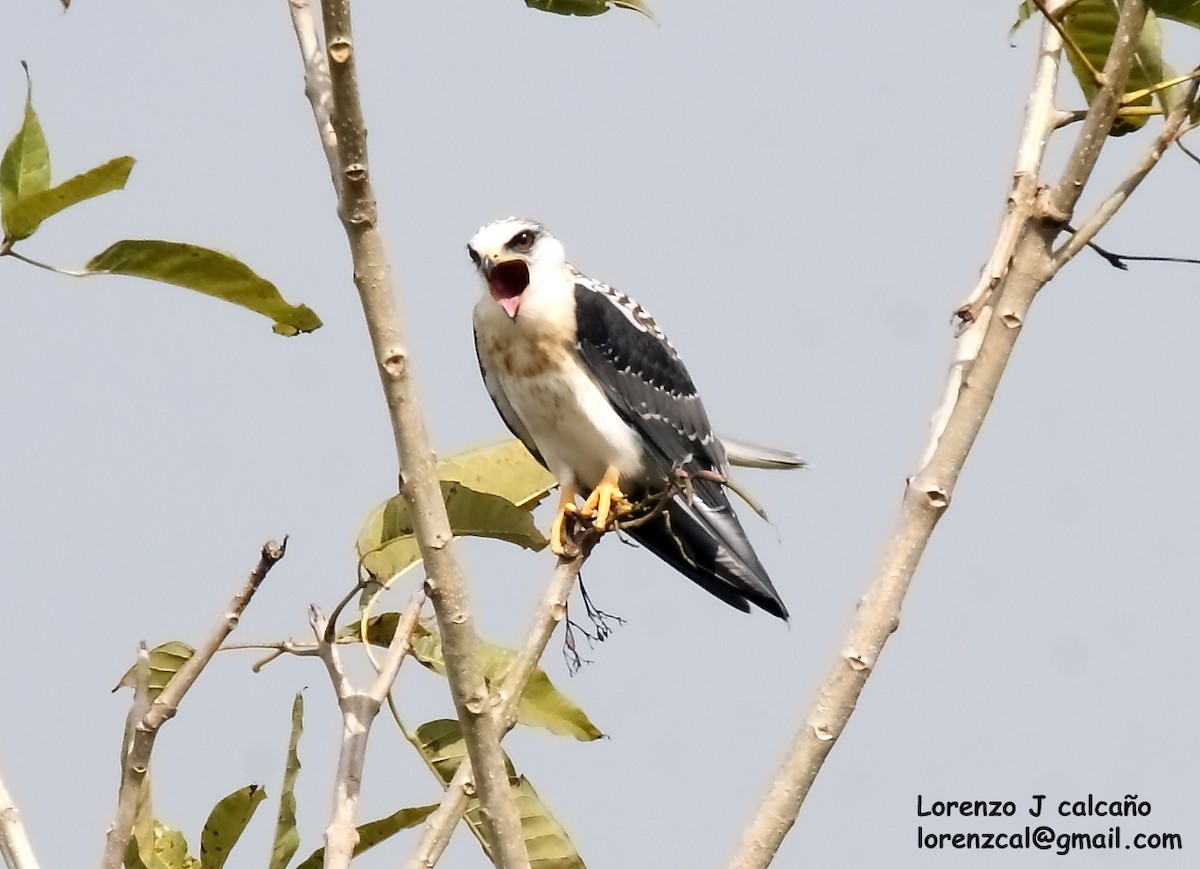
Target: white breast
567, 415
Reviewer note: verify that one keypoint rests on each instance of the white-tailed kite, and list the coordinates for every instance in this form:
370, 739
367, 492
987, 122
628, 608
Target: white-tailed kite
593, 388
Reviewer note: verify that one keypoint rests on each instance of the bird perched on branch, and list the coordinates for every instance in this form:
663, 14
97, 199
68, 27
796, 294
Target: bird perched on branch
591, 385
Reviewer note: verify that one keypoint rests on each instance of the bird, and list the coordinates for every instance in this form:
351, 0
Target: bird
586, 379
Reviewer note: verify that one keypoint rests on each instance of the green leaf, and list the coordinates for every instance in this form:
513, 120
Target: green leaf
1092, 24
205, 271
374, 832
226, 823
504, 468
588, 7
1183, 11
157, 846
472, 514
541, 705
165, 661
28, 212
287, 837
25, 166
441, 743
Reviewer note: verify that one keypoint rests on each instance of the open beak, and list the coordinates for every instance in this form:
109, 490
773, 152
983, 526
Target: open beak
506, 280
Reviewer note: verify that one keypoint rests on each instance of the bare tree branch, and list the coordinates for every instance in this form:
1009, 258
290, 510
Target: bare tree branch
995, 313
1101, 112
139, 741
15, 848
551, 611
359, 709
1072, 46
418, 473
317, 86
1097, 220
1039, 120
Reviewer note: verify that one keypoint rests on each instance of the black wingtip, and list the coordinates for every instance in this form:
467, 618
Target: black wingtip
688, 540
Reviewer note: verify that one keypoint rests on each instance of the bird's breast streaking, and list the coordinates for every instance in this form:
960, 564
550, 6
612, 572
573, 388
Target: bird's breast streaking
585, 377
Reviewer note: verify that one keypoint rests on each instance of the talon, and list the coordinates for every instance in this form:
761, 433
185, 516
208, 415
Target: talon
607, 502
560, 542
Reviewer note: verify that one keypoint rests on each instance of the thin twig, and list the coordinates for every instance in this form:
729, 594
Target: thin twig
982, 356
317, 86
1185, 149
418, 473
15, 848
140, 737
1039, 119
1070, 42
1064, 119
1121, 260
1101, 112
41, 265
551, 611
1105, 210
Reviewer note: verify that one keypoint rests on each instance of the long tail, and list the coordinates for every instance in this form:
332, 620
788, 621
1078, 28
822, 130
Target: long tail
747, 455
704, 541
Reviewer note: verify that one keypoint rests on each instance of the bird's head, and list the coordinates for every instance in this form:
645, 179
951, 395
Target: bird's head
513, 255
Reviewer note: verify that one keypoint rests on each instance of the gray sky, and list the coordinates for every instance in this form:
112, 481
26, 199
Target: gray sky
801, 194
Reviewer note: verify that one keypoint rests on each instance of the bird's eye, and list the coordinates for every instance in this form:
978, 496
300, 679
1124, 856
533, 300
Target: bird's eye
522, 242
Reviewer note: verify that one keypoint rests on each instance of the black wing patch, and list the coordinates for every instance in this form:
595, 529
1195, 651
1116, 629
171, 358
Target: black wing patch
648, 386
647, 383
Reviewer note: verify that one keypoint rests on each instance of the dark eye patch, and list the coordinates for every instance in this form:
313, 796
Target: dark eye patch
522, 241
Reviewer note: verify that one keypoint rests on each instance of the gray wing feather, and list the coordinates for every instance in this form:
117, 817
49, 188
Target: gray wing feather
649, 387
744, 454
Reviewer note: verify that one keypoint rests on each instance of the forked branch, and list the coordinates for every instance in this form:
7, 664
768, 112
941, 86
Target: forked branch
418, 472
1021, 264
551, 611
147, 717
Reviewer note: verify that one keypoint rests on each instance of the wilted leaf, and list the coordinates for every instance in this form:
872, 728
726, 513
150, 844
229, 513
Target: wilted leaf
165, 661
205, 271
374, 832
24, 216
1024, 12
25, 166
541, 705
588, 7
471, 513
287, 837
226, 823
441, 743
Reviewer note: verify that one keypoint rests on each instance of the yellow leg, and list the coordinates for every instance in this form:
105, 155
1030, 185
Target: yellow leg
566, 504
606, 501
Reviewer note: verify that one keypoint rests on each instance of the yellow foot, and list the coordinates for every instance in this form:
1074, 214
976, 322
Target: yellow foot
607, 502
560, 539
